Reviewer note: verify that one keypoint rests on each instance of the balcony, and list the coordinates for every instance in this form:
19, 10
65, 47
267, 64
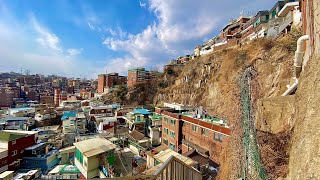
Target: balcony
174, 169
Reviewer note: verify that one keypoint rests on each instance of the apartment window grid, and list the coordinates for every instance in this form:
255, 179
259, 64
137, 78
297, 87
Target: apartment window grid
172, 146
194, 128
165, 141
173, 122
218, 137
204, 132
166, 130
172, 134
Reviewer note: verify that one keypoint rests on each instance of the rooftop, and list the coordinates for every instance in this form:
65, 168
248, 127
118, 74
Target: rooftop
67, 114
206, 118
61, 169
15, 119
141, 111
155, 116
102, 107
5, 174
10, 136
136, 135
164, 155
35, 146
20, 109
95, 146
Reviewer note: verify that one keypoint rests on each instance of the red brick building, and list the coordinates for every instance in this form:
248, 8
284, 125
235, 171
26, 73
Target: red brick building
15, 142
139, 75
101, 83
46, 99
59, 96
183, 133
109, 81
6, 97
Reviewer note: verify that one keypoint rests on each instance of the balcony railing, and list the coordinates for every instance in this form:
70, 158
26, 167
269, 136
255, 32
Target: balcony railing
174, 169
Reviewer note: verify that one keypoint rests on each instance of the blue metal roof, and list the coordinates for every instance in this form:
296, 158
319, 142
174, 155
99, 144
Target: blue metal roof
67, 114
115, 105
141, 111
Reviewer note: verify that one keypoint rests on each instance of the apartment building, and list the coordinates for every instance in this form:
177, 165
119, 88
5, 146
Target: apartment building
106, 82
184, 130
139, 75
15, 143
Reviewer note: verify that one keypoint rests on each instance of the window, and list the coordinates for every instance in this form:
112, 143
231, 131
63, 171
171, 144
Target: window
166, 130
35, 162
79, 156
14, 152
138, 118
172, 134
172, 146
218, 136
204, 132
4, 162
165, 141
173, 122
194, 128
166, 120
14, 142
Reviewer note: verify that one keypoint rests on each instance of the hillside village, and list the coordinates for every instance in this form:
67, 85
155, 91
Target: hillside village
243, 106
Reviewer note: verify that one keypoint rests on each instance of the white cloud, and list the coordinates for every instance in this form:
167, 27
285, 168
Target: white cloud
117, 32
180, 25
91, 26
45, 37
143, 5
31, 45
74, 52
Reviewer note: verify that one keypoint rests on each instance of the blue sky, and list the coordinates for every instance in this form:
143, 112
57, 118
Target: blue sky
79, 38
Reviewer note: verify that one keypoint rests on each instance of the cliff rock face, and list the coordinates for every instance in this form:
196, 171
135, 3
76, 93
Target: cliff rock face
213, 81
305, 150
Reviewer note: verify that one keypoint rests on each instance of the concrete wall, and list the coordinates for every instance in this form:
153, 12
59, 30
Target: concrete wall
311, 26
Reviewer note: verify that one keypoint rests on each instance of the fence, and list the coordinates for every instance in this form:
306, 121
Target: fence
252, 168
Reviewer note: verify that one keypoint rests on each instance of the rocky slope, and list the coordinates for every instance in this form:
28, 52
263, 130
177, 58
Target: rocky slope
213, 81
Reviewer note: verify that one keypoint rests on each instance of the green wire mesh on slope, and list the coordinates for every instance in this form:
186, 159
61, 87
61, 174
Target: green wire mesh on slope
252, 167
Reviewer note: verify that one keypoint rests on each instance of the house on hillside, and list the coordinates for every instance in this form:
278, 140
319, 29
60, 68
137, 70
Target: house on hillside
273, 13
12, 144
282, 17
73, 122
138, 119
40, 156
95, 158
256, 27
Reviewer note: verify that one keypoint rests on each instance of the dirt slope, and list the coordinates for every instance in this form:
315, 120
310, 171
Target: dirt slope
213, 82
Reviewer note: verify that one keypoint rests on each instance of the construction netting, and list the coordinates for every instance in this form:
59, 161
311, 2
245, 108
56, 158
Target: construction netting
252, 167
